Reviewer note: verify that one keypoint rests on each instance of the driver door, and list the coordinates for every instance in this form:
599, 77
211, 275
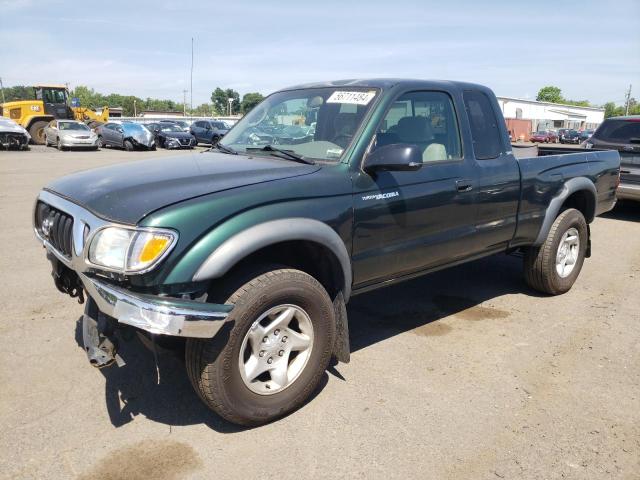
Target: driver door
408, 221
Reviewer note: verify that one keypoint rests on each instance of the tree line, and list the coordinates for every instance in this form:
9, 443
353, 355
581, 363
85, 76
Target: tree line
131, 104
553, 94
220, 104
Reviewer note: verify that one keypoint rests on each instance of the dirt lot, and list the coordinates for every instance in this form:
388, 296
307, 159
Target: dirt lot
464, 374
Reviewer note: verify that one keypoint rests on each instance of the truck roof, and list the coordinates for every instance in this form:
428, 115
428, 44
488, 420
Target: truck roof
388, 83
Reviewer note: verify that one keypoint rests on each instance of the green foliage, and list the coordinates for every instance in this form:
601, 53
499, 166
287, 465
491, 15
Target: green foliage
250, 100
220, 99
613, 110
550, 94
91, 99
18, 92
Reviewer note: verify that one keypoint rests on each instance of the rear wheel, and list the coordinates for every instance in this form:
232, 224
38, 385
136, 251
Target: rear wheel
554, 266
215, 139
37, 132
279, 343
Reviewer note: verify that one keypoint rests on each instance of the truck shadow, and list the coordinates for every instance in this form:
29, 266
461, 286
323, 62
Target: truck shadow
627, 210
417, 305
164, 395
414, 305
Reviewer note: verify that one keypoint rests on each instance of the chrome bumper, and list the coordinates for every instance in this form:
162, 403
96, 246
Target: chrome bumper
627, 191
159, 315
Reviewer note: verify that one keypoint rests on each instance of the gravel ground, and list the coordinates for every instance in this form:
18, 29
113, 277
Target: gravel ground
463, 374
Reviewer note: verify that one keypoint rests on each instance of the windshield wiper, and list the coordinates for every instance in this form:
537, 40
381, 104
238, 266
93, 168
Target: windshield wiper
287, 154
222, 148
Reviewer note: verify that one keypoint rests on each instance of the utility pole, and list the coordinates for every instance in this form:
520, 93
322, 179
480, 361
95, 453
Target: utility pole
135, 110
191, 100
184, 102
627, 100
2, 90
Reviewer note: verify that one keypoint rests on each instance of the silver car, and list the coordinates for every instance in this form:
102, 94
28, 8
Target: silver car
127, 135
70, 134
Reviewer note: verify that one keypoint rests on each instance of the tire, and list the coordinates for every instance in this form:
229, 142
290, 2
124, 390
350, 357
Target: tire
214, 365
101, 142
128, 146
37, 132
540, 263
59, 145
215, 139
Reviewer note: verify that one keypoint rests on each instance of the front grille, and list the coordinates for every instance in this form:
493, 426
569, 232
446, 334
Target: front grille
56, 227
185, 141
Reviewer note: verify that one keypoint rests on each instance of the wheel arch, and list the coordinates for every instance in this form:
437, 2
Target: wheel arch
309, 245
579, 193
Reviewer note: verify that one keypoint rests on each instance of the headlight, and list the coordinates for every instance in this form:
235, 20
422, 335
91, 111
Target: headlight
129, 250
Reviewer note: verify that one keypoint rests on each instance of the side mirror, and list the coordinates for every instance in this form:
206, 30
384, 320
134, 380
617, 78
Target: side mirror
120, 129
394, 157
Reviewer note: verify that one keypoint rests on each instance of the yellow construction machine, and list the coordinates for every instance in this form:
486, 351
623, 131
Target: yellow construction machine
51, 102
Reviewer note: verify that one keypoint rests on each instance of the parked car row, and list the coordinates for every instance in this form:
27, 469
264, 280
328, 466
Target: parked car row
563, 135
129, 135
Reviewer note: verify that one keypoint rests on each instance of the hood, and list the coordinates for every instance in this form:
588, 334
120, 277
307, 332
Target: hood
127, 192
76, 133
9, 126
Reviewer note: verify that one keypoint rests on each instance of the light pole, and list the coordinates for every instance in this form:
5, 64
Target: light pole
135, 110
230, 100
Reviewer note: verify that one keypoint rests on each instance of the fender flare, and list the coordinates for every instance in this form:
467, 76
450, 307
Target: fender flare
571, 186
244, 243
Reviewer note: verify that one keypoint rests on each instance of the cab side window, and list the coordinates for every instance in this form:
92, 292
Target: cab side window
425, 119
484, 125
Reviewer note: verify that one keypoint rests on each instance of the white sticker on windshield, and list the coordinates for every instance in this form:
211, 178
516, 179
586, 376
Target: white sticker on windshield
355, 98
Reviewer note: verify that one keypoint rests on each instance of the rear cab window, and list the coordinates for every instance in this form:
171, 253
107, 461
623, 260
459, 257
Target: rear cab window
485, 134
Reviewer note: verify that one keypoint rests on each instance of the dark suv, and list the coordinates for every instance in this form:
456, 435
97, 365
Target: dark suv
570, 136
622, 134
208, 131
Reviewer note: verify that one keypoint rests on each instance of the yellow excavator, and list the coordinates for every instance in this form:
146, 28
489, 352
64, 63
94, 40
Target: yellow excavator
51, 102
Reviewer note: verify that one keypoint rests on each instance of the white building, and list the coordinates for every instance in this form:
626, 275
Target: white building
546, 115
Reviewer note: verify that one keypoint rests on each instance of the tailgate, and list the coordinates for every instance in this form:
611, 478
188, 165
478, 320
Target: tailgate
630, 168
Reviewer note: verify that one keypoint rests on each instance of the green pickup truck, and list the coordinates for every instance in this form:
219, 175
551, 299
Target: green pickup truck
246, 255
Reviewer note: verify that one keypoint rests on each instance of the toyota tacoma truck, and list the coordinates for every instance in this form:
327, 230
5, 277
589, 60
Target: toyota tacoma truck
248, 253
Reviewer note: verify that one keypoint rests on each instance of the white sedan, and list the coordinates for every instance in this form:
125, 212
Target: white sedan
70, 134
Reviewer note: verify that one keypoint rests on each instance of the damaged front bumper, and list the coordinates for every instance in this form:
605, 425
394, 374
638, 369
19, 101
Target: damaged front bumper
155, 314
73, 275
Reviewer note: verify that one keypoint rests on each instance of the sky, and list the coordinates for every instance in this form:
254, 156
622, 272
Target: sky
590, 49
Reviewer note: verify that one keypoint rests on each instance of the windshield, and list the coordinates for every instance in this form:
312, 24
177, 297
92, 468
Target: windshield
171, 128
317, 123
134, 127
72, 126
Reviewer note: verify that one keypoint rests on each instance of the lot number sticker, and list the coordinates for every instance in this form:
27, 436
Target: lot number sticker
355, 98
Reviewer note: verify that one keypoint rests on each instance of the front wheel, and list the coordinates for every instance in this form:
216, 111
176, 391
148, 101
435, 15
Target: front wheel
554, 266
101, 142
128, 146
279, 343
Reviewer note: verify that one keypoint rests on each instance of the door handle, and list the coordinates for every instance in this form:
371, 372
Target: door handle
464, 185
